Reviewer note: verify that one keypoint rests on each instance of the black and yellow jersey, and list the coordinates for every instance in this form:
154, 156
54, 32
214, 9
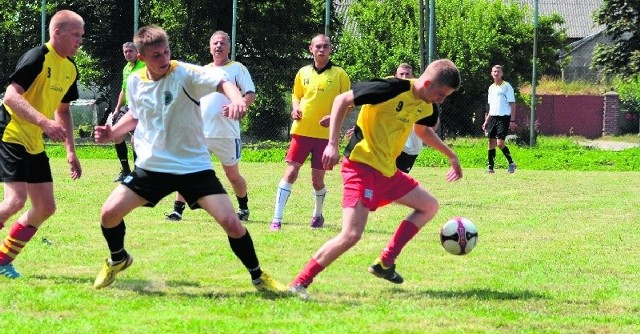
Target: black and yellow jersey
389, 110
47, 79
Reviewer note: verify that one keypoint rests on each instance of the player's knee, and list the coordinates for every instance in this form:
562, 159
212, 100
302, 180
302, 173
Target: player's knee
349, 239
46, 209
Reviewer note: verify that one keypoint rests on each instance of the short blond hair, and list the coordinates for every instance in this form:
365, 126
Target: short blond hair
62, 19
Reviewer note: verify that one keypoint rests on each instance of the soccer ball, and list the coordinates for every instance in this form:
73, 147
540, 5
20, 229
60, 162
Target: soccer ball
458, 236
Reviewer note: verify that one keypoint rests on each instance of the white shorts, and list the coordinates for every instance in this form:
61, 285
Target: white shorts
227, 150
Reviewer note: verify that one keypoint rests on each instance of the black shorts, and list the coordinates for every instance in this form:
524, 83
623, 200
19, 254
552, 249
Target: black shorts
499, 127
20, 166
405, 162
154, 186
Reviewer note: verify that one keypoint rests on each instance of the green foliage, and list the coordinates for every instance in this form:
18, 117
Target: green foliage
629, 90
620, 18
474, 34
381, 35
19, 32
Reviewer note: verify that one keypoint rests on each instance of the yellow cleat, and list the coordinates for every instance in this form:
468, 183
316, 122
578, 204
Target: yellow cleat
267, 284
109, 271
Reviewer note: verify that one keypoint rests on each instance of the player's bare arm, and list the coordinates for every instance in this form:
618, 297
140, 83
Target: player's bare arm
238, 107
339, 109
14, 99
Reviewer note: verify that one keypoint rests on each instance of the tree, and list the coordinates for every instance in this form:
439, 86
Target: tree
622, 57
475, 34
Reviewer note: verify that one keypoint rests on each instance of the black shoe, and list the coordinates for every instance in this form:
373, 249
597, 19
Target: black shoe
243, 215
174, 216
389, 274
121, 176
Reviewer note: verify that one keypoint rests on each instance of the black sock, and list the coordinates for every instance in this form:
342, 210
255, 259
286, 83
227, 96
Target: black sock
121, 150
179, 206
492, 157
115, 241
243, 248
243, 202
507, 154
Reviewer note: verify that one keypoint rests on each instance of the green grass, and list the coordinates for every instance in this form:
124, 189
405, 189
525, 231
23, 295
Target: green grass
557, 253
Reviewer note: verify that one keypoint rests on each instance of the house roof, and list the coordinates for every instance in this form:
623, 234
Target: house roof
577, 14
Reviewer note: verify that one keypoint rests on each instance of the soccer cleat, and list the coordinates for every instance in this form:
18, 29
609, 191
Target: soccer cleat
317, 222
243, 215
489, 171
121, 176
389, 274
174, 216
300, 291
276, 225
107, 275
512, 168
9, 271
266, 283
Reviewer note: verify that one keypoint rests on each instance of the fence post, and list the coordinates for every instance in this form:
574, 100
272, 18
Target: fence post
610, 126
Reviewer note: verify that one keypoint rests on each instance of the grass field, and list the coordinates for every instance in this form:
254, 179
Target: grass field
557, 253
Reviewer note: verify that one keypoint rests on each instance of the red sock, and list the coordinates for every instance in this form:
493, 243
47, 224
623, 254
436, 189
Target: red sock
15, 241
405, 232
311, 270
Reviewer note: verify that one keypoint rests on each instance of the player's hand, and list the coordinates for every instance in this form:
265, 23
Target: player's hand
350, 132
455, 173
234, 111
330, 157
75, 168
102, 133
325, 121
54, 130
484, 127
296, 114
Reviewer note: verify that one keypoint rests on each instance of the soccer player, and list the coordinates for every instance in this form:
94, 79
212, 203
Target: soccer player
314, 88
223, 133
172, 153
133, 64
41, 87
390, 107
500, 119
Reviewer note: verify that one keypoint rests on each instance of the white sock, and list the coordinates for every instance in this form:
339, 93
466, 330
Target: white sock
282, 195
319, 201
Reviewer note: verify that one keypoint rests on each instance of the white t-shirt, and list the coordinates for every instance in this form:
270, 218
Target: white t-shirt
499, 98
169, 136
413, 146
216, 125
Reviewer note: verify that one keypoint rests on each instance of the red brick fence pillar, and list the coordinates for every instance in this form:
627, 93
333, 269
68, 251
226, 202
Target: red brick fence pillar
610, 126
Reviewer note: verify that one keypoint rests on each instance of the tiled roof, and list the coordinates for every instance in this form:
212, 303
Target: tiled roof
577, 14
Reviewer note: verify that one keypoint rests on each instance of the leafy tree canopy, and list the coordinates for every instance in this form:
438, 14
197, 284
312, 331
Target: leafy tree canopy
622, 23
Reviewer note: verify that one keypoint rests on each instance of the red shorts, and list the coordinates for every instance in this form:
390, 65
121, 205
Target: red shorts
302, 146
366, 184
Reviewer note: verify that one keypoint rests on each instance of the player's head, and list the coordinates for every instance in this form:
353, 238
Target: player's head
496, 73
404, 71
320, 47
220, 45
152, 43
129, 51
439, 80
66, 29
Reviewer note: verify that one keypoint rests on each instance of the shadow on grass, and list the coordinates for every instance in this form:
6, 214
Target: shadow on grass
161, 288
481, 294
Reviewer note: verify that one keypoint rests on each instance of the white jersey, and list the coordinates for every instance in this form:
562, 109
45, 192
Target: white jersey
413, 146
169, 136
499, 98
216, 125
